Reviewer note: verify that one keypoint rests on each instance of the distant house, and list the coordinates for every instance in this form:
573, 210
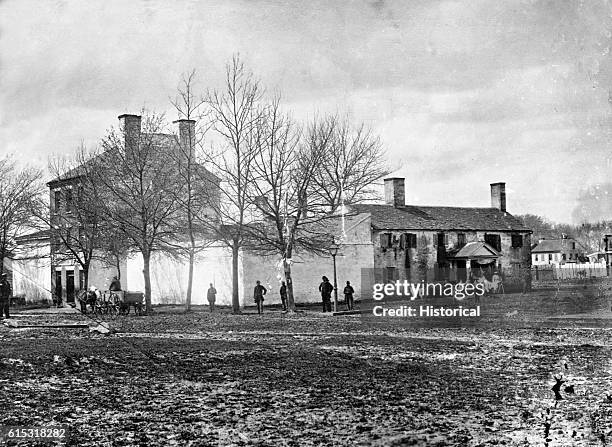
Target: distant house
557, 251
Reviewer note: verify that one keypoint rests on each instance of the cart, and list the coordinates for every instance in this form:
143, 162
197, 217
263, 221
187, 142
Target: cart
127, 299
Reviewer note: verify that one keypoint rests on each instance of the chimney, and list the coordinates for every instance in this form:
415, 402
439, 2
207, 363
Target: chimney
498, 196
395, 191
130, 126
186, 132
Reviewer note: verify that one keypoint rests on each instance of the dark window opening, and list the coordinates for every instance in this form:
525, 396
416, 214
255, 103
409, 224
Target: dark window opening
494, 240
408, 240
385, 240
69, 203
461, 240
517, 241
57, 201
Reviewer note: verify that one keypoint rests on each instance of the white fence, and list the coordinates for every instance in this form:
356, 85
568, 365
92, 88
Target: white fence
569, 271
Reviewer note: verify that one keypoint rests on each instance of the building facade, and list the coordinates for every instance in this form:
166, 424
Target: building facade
565, 250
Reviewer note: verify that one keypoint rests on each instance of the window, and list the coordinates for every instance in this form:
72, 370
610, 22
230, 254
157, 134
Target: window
69, 203
57, 201
391, 274
385, 240
517, 241
460, 240
573, 245
563, 256
408, 240
494, 240
550, 257
442, 239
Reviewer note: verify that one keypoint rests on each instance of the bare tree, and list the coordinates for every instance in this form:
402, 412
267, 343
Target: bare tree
300, 179
234, 116
285, 167
19, 191
135, 175
354, 161
199, 184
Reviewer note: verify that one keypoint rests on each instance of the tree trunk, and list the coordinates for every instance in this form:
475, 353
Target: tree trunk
86, 276
235, 291
289, 281
118, 265
147, 279
190, 279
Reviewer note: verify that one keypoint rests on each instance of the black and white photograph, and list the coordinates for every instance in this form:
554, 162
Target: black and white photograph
306, 223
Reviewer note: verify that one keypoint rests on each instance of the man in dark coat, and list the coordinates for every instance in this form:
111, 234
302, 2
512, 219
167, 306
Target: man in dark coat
211, 296
258, 296
283, 294
115, 285
5, 296
326, 289
348, 295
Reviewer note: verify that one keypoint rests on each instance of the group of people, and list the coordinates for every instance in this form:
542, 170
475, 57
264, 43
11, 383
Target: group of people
259, 293
326, 288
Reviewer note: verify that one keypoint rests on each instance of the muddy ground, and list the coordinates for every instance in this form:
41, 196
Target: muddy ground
312, 379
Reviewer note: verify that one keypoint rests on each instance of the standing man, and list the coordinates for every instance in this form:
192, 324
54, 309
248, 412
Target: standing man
5, 296
326, 290
211, 296
283, 294
258, 296
348, 295
115, 285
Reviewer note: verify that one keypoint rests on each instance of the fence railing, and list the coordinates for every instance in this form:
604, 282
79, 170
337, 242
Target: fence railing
568, 271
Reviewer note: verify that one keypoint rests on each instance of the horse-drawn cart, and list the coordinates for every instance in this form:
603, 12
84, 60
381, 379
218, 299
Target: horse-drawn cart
112, 302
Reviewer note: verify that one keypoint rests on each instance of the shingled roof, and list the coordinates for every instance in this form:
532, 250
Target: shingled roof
552, 245
409, 217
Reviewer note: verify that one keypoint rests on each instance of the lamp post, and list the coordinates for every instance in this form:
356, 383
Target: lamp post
333, 251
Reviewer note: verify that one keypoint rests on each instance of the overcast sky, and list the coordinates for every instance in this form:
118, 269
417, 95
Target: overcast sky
462, 93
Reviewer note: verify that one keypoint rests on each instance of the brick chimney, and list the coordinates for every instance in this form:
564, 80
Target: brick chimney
130, 126
186, 132
498, 196
395, 193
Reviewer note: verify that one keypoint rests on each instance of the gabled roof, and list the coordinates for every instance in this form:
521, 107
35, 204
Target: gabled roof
409, 217
160, 139
473, 250
552, 245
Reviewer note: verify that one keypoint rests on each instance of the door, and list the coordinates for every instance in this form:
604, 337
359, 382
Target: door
70, 286
461, 271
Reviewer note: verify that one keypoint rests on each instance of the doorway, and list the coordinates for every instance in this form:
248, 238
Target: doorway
70, 286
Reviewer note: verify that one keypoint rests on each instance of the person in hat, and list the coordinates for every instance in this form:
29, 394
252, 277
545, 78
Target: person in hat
348, 295
326, 290
258, 296
115, 285
283, 294
5, 296
211, 296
